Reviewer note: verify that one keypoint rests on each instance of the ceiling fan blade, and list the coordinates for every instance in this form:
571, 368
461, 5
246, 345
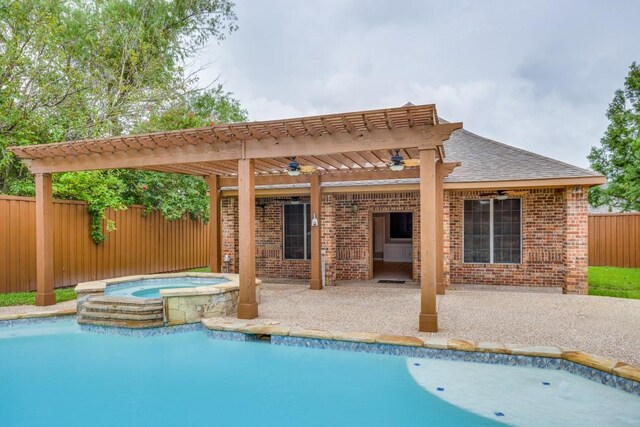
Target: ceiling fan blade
307, 169
412, 162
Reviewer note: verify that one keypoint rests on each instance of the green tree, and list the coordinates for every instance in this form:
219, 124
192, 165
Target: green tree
72, 69
618, 155
176, 195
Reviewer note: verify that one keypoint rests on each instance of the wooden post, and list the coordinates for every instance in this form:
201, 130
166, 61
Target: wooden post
44, 240
428, 321
316, 233
440, 288
247, 305
215, 260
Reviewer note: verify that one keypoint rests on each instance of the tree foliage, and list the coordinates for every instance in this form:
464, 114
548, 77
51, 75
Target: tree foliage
618, 155
73, 69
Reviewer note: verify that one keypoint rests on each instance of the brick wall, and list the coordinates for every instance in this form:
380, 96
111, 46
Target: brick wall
353, 221
577, 231
554, 223
543, 235
269, 246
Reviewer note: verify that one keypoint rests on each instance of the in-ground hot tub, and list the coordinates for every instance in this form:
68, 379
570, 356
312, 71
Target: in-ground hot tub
150, 288
137, 301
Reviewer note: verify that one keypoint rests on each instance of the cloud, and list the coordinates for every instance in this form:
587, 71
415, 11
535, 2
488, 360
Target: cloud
538, 75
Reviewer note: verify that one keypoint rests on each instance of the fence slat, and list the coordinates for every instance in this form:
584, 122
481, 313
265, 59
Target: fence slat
137, 246
614, 240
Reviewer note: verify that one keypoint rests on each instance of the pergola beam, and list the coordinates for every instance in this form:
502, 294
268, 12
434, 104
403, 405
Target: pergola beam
424, 137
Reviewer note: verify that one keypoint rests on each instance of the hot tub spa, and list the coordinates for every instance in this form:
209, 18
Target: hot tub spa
181, 298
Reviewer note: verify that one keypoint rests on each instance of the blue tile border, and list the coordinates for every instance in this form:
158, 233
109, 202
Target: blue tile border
465, 356
34, 320
230, 335
142, 332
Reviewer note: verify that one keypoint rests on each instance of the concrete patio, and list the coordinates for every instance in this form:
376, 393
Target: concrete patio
530, 316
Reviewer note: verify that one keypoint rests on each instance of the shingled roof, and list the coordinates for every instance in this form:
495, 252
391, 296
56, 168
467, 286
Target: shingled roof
484, 159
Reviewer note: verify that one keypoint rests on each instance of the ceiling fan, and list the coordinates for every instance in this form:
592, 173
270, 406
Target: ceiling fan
504, 194
397, 162
294, 168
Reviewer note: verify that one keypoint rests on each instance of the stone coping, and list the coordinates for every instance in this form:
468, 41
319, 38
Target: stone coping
610, 366
99, 286
39, 314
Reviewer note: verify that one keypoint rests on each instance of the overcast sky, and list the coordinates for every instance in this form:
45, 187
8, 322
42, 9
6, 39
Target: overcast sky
534, 74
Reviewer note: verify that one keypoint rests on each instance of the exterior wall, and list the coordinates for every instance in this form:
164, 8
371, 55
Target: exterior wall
576, 245
353, 222
554, 238
543, 236
269, 245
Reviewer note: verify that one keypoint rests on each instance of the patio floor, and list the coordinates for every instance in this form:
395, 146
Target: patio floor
599, 325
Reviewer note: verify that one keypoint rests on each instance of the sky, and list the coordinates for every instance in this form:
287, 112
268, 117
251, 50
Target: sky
537, 75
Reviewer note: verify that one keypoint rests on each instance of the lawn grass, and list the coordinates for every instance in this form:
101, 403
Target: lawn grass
201, 270
29, 298
614, 282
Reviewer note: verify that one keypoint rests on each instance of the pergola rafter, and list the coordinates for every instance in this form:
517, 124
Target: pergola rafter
338, 147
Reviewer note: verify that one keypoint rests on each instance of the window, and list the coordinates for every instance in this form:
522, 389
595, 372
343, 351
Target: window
492, 231
297, 231
400, 225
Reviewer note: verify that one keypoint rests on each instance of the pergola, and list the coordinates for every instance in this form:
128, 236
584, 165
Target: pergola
351, 146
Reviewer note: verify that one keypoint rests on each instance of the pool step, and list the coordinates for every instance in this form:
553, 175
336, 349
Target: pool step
123, 309
123, 312
138, 302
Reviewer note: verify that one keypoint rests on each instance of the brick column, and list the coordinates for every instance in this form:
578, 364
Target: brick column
576, 240
328, 223
446, 240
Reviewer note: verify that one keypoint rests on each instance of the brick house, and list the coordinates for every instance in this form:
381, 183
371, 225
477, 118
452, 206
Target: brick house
385, 194
511, 217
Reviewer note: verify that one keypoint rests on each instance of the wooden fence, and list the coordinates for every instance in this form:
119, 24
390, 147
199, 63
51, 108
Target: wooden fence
139, 245
614, 240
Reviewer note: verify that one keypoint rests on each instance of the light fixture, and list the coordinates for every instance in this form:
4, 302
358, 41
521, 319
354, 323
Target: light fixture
293, 169
397, 162
501, 195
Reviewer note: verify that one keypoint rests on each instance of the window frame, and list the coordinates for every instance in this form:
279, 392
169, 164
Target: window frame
306, 209
491, 234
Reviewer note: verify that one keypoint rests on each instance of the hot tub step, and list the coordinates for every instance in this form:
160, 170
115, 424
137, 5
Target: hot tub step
124, 309
105, 299
87, 314
120, 323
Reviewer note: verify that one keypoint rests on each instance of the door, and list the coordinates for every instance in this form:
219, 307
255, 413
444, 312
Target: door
378, 237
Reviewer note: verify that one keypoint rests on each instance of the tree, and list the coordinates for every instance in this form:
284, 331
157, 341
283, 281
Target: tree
72, 69
618, 155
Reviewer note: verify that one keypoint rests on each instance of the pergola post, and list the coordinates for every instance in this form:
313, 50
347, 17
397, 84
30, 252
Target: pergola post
247, 305
44, 240
316, 233
428, 321
214, 223
440, 287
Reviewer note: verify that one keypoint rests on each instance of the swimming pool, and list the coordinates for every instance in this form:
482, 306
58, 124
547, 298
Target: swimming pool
54, 373
150, 288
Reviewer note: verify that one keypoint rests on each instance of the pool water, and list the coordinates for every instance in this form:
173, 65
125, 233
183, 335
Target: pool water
54, 374
150, 288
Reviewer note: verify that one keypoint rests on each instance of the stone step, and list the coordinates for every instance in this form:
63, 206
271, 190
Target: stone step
121, 323
105, 299
120, 316
124, 309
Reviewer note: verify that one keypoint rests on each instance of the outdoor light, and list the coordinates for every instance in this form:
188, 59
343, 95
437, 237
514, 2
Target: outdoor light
293, 168
397, 162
